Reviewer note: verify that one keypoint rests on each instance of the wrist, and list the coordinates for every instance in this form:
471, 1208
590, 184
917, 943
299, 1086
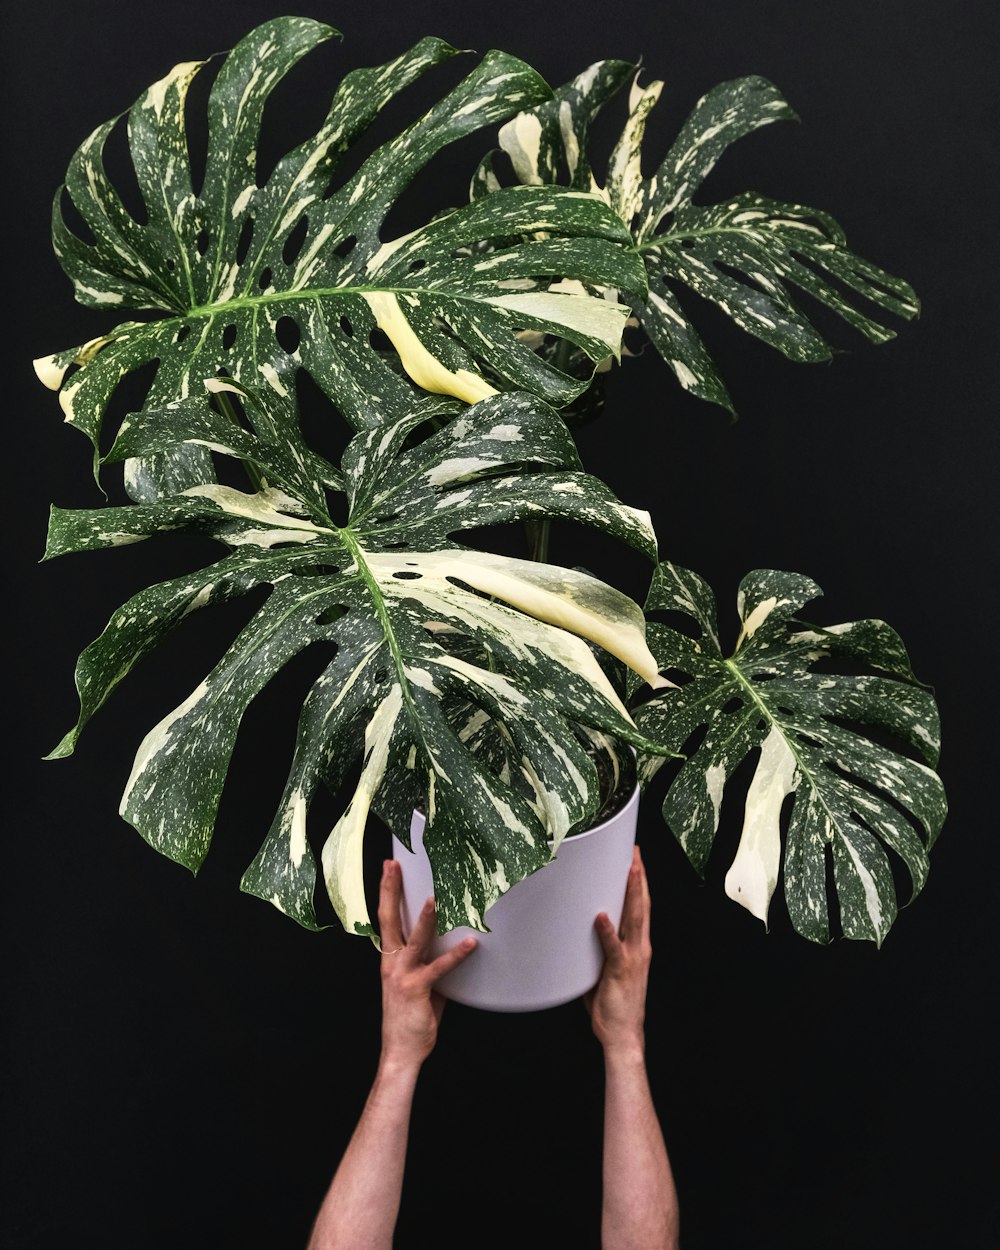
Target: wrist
625, 1051
398, 1065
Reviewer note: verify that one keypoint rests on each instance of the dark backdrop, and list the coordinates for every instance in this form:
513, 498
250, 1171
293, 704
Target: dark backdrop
185, 1065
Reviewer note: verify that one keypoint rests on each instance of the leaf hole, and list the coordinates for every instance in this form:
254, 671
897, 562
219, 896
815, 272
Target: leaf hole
74, 219
633, 339
293, 244
171, 264
264, 281
295, 109
405, 576
228, 337
245, 239
732, 705
201, 242
677, 620
231, 471
416, 265
336, 506
832, 897
130, 395
182, 334
323, 427
231, 406
195, 124
694, 740
380, 340
288, 334
346, 246
747, 281
120, 170
346, 326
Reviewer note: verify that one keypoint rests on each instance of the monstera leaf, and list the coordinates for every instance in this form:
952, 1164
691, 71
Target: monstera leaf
745, 255
849, 793
264, 280
406, 609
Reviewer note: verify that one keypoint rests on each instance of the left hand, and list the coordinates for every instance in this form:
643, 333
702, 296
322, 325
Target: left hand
411, 1007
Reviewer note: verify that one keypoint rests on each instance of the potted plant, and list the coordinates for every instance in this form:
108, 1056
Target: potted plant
492, 692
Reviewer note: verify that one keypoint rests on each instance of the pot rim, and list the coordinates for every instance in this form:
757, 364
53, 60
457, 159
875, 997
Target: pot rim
630, 802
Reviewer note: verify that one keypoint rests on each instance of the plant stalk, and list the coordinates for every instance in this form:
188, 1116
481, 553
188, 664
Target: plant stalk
537, 532
538, 540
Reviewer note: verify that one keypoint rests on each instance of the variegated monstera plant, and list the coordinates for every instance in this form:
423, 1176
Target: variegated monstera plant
494, 691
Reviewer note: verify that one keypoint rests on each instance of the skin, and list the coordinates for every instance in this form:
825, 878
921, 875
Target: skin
360, 1209
640, 1203
640, 1210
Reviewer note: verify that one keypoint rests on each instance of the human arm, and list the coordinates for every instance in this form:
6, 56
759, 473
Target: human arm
640, 1210
362, 1203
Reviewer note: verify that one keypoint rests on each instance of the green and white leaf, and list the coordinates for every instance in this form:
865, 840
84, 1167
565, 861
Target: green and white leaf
851, 796
548, 143
747, 255
409, 611
223, 265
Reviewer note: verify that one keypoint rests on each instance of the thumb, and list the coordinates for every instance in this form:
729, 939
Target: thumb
609, 939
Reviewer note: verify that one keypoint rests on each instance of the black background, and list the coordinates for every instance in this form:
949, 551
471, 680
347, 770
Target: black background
184, 1065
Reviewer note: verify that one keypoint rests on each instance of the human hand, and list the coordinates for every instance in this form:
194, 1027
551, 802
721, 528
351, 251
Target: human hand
411, 1007
617, 1004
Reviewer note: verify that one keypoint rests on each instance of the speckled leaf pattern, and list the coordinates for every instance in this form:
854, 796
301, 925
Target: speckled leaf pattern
548, 143
420, 625
746, 255
820, 739
226, 265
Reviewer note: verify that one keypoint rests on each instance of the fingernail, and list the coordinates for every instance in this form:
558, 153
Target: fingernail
429, 905
469, 944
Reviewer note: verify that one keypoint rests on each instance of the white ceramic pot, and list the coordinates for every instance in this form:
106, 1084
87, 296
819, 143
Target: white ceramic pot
541, 950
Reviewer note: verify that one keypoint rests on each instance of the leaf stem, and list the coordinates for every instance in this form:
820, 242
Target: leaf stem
538, 539
537, 532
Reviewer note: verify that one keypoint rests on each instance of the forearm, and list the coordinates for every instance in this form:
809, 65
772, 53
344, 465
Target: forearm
360, 1209
640, 1203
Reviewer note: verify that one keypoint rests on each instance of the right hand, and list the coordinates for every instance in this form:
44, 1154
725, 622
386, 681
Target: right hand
411, 1006
617, 1004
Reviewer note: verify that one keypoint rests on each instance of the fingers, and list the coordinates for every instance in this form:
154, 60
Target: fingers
441, 966
390, 896
422, 931
647, 905
412, 951
634, 913
609, 939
